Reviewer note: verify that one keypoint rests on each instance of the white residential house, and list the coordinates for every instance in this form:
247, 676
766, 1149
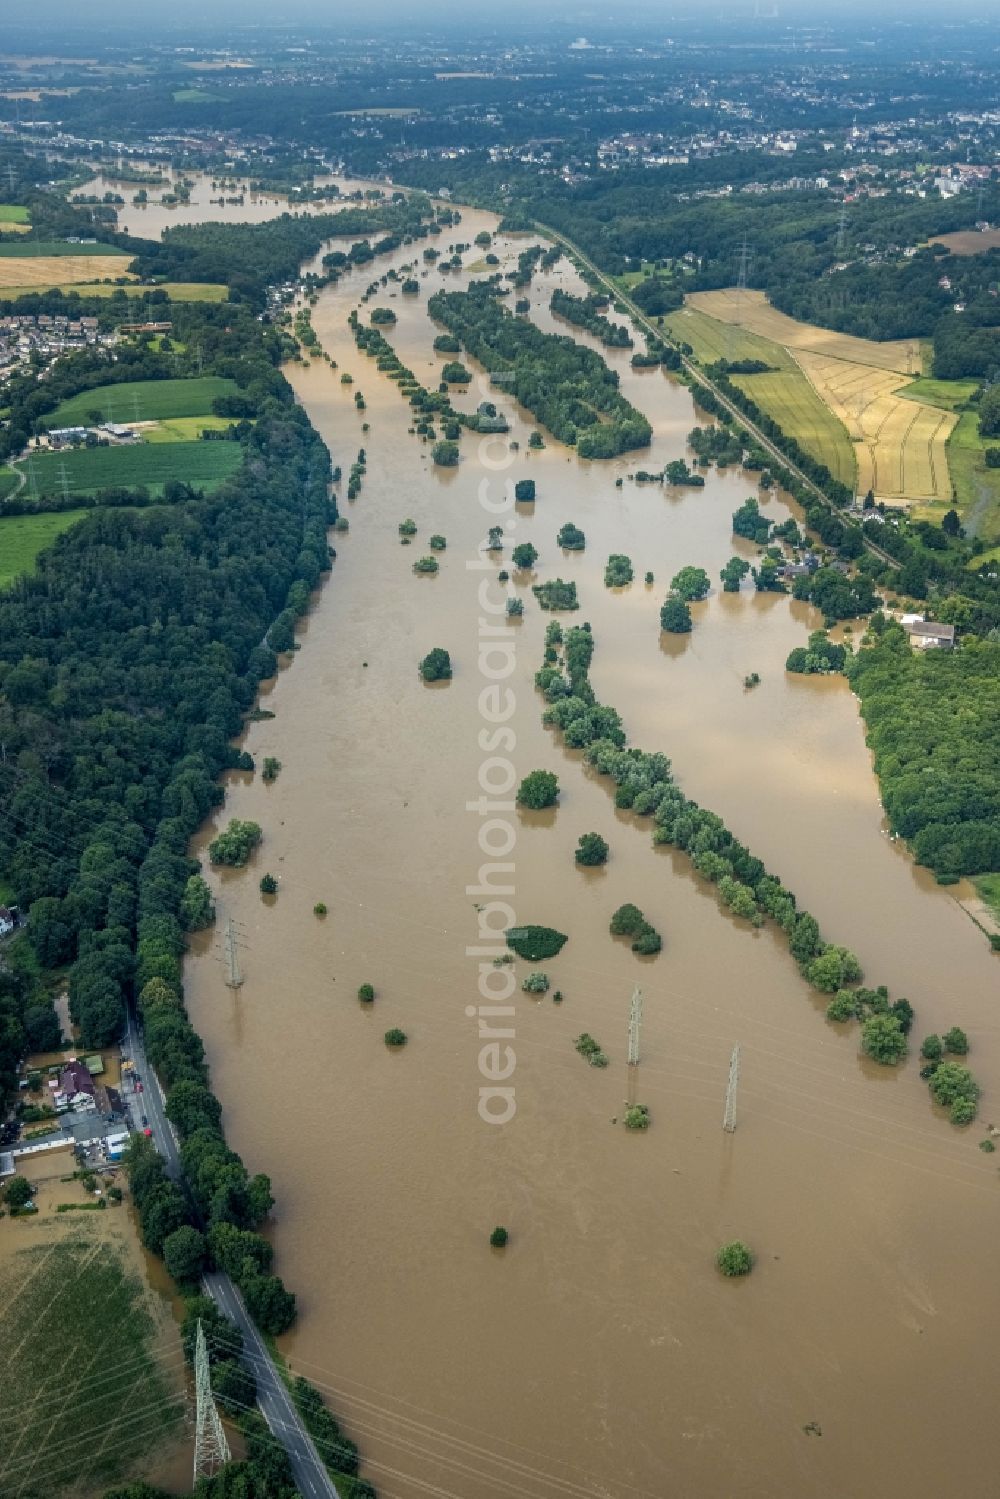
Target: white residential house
928, 635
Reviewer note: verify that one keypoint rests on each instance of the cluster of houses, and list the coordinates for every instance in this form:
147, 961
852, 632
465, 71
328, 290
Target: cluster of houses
76, 1087
48, 334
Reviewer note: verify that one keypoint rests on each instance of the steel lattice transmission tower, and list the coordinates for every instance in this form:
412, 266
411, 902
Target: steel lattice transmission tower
634, 1022
234, 977
729, 1116
842, 227
743, 270
211, 1450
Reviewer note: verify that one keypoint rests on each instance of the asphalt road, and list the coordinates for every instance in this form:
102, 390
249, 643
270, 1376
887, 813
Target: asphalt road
284, 1421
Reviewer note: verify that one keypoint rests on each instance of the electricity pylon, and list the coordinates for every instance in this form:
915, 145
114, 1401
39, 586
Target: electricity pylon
746, 256
234, 976
634, 1022
729, 1116
842, 227
211, 1449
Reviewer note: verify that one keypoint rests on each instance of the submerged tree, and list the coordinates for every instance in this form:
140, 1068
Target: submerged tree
734, 1259
436, 665
235, 845
592, 849
675, 616
540, 788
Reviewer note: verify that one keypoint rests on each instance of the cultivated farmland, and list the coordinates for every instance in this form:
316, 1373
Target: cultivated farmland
969, 241
899, 441
88, 470
55, 249
753, 311
177, 291
784, 392
143, 401
38, 271
89, 1364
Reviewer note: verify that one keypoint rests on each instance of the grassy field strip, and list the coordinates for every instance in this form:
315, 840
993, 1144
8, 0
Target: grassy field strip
13, 226
711, 339
184, 428
22, 537
88, 470
977, 487
752, 310
785, 392
56, 249
12, 213
177, 291
144, 400
948, 394
46, 271
801, 413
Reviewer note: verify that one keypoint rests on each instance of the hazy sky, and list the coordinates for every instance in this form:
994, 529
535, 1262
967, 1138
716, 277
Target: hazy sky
430, 14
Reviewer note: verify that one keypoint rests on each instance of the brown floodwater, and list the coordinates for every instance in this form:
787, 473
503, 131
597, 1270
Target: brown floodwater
601, 1353
149, 220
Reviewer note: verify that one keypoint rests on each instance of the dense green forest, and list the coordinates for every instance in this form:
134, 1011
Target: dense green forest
568, 388
127, 664
934, 726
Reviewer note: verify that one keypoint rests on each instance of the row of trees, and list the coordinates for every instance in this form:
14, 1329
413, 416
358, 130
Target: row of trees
644, 784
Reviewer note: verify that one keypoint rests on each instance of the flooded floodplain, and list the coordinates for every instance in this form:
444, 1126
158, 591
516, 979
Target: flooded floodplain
600, 1353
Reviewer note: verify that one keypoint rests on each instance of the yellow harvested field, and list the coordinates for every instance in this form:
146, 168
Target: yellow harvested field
969, 241
59, 270
752, 310
899, 442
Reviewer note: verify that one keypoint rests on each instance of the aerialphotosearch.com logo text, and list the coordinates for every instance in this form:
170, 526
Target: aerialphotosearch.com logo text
495, 805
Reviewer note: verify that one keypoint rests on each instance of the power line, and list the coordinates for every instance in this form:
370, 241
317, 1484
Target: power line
372, 1409
847, 1106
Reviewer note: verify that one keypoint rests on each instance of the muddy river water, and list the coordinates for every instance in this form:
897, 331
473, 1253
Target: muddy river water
601, 1353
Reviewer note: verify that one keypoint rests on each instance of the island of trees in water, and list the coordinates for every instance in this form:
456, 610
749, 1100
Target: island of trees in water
567, 387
